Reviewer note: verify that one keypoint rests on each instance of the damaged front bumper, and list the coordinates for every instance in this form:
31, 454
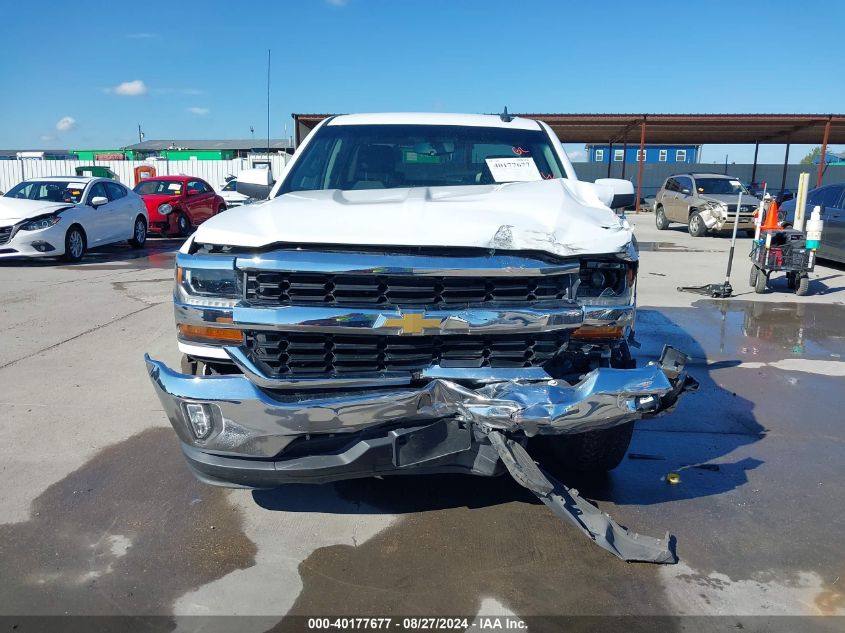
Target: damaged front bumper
263, 438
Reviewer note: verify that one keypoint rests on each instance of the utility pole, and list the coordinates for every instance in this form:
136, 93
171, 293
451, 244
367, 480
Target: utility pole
140, 134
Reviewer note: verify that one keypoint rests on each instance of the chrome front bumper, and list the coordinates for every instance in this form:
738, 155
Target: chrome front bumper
252, 426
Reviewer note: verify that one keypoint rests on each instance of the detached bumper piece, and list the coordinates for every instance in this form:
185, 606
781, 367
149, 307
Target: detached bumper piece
567, 504
237, 433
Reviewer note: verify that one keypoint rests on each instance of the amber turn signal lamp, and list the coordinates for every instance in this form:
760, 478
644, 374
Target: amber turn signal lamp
598, 332
206, 334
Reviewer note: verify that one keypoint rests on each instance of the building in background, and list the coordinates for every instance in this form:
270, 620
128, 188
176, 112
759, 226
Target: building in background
207, 149
669, 154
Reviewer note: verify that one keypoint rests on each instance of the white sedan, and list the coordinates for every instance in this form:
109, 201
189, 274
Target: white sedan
229, 192
63, 216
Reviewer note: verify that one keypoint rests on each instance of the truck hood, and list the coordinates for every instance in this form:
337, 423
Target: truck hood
561, 217
14, 210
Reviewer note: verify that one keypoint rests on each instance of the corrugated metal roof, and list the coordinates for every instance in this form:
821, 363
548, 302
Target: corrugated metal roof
668, 129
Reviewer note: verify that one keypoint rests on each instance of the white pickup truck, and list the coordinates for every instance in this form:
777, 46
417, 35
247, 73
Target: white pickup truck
421, 293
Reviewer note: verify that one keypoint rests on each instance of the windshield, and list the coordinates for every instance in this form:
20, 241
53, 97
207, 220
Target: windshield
48, 191
161, 187
390, 156
719, 185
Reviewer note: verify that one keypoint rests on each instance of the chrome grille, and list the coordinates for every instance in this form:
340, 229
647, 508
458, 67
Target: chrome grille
287, 354
5, 234
289, 288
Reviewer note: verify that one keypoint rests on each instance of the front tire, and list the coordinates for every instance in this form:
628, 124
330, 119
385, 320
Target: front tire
660, 219
752, 277
74, 244
183, 225
697, 228
760, 282
139, 233
594, 452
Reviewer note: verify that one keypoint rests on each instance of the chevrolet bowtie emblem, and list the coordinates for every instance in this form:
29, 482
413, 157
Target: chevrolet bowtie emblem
412, 323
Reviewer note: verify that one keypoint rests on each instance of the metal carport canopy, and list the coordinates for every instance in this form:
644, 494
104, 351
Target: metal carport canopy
695, 129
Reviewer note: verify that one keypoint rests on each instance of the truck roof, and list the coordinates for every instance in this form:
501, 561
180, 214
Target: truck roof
434, 118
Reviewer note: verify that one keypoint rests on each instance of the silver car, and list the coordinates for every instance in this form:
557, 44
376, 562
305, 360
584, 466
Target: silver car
704, 202
832, 200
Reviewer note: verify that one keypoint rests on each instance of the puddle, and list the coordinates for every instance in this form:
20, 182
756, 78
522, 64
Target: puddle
127, 533
752, 330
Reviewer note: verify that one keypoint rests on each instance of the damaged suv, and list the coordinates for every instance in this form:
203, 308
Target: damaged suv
704, 202
421, 293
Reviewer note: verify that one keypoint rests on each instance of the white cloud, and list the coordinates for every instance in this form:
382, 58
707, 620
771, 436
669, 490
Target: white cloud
577, 155
130, 88
46, 137
198, 110
65, 124
140, 36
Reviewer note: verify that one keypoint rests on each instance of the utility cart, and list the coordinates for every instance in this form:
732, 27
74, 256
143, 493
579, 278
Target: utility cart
782, 250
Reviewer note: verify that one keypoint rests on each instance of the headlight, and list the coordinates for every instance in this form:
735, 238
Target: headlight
603, 279
215, 283
41, 223
165, 208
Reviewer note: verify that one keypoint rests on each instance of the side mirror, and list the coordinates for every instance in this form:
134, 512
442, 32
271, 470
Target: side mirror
255, 183
686, 192
615, 192
98, 201
192, 192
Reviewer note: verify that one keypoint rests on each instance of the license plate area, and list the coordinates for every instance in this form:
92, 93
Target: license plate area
416, 446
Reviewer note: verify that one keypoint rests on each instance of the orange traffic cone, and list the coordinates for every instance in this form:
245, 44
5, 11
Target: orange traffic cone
771, 221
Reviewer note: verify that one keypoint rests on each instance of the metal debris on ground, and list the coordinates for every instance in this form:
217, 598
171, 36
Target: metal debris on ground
568, 504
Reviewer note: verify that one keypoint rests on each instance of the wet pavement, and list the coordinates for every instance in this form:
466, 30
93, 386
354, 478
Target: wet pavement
99, 515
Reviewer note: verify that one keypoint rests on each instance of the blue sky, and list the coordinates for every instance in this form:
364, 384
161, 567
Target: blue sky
84, 74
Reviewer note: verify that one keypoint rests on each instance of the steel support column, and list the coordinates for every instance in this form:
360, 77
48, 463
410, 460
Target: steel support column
823, 155
783, 177
624, 157
640, 166
754, 168
609, 157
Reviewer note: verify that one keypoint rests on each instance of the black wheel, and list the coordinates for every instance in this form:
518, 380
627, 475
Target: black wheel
221, 208
697, 228
760, 282
139, 233
74, 244
183, 225
791, 280
660, 219
803, 285
592, 452
752, 277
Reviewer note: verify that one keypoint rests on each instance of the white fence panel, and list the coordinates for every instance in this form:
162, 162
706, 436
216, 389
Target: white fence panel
212, 171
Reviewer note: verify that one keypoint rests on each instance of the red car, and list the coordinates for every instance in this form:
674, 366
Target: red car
176, 204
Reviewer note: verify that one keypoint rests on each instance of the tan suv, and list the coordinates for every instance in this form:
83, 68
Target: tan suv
705, 202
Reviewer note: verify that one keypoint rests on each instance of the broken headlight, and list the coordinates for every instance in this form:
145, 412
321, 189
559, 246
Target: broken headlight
603, 279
